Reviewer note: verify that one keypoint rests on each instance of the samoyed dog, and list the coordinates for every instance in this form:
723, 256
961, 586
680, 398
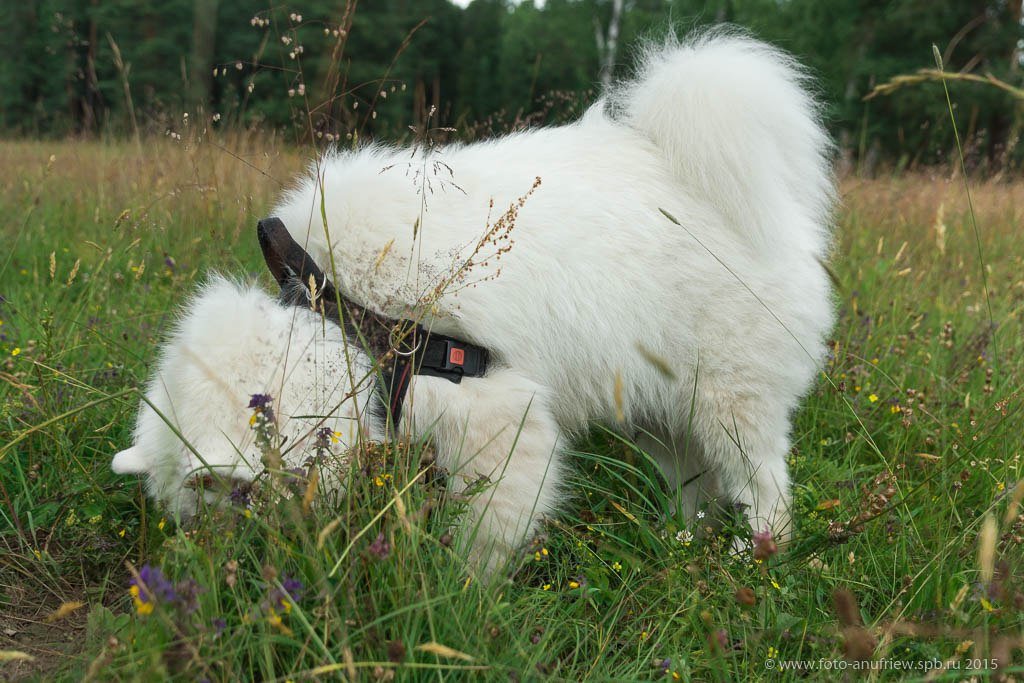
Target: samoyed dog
657, 266
238, 357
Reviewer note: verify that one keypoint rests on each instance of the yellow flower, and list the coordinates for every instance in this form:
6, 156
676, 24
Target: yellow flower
873, 397
574, 584
617, 566
161, 523
547, 586
143, 607
544, 552
121, 533
894, 409
772, 653
536, 556
15, 351
252, 420
1000, 486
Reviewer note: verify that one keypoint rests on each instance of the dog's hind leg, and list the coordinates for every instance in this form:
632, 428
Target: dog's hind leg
746, 440
497, 434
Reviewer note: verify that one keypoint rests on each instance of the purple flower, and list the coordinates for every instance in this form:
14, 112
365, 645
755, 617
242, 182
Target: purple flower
219, 625
291, 586
152, 585
281, 598
260, 401
239, 495
149, 588
380, 548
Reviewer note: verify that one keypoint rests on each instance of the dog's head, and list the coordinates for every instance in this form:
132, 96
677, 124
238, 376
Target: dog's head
235, 346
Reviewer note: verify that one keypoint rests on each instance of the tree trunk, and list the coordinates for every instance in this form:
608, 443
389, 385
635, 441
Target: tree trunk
204, 32
608, 43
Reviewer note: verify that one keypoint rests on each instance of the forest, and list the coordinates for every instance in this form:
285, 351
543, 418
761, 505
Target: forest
323, 70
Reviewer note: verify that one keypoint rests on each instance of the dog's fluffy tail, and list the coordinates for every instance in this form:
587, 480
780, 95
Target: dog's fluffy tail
738, 126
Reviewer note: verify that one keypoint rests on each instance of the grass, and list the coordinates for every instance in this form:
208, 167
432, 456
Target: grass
898, 461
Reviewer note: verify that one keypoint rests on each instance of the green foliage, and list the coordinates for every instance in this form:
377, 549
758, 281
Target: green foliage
485, 68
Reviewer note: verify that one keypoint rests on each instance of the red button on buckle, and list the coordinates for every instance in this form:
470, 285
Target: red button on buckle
456, 356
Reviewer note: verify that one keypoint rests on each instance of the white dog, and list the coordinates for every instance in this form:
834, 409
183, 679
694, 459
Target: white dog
656, 265
235, 346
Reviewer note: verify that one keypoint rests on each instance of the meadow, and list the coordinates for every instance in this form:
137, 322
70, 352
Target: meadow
906, 462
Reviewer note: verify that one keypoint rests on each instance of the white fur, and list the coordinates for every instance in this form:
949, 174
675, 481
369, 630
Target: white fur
593, 291
234, 341
720, 133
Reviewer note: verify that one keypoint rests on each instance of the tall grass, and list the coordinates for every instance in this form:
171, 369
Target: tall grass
898, 462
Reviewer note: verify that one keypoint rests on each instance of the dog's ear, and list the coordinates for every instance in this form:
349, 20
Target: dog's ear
129, 461
293, 268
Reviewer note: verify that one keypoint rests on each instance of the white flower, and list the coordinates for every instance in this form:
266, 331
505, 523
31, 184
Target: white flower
684, 536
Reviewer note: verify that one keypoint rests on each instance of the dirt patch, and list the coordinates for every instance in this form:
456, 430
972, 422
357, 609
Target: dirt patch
27, 625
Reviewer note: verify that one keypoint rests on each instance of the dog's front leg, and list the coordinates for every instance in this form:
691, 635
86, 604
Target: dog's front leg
496, 436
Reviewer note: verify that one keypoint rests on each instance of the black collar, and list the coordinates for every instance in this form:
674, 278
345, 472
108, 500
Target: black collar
401, 348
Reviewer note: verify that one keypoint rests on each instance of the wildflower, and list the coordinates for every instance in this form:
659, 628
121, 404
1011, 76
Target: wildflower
617, 566
260, 401
764, 545
381, 547
546, 586
274, 619
150, 587
873, 398
15, 351
283, 595
161, 524
684, 536
772, 653
239, 495
746, 597
396, 651
574, 584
